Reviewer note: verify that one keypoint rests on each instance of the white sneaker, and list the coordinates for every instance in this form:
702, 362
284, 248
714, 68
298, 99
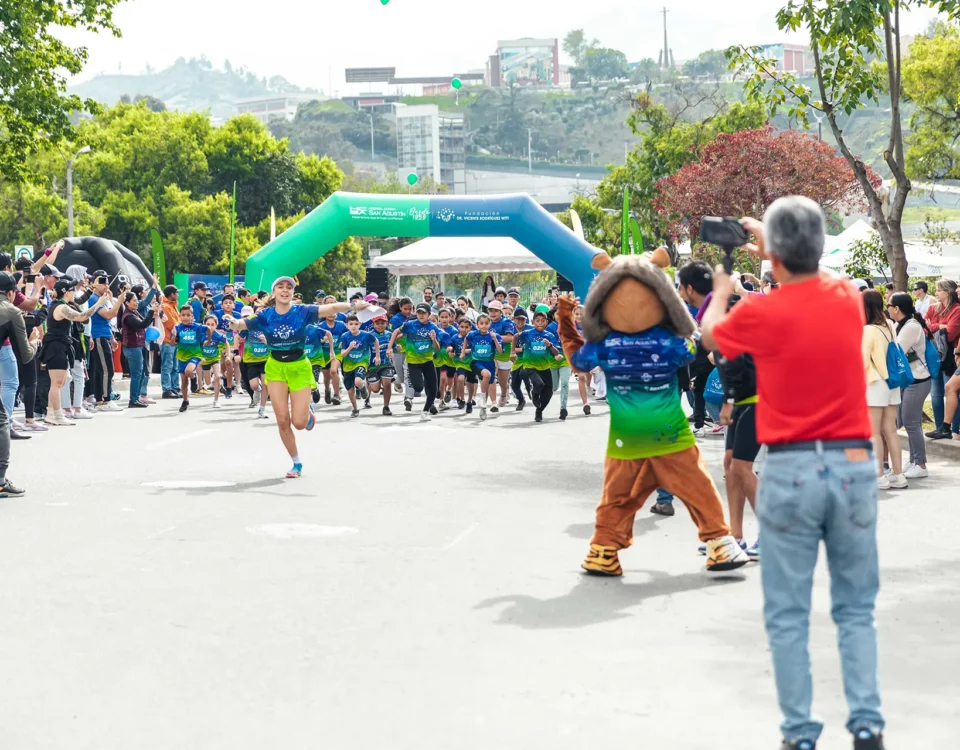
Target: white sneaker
718, 430
883, 483
887, 471
916, 472
424, 416
898, 482
32, 427
81, 414
701, 433
216, 404
147, 400
58, 420
110, 406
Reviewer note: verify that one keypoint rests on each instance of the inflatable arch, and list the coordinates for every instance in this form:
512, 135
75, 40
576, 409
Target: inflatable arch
344, 215
100, 254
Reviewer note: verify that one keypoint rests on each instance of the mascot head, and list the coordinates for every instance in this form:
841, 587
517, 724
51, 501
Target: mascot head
631, 294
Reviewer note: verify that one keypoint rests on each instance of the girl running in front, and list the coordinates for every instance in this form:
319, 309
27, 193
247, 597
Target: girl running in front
382, 377
539, 348
189, 336
466, 380
422, 342
252, 364
483, 344
358, 347
211, 350
288, 373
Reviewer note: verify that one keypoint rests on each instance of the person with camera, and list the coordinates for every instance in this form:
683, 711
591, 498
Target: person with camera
12, 328
103, 343
819, 481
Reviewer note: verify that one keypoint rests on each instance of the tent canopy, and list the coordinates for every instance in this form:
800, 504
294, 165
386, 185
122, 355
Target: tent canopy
920, 261
440, 255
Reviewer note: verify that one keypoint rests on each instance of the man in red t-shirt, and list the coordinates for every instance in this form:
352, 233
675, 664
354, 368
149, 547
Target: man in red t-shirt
819, 480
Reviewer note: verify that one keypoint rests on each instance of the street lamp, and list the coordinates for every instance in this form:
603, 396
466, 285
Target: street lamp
84, 150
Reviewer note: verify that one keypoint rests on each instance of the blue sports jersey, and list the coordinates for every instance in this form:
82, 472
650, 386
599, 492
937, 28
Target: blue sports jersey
419, 345
211, 349
315, 339
362, 354
482, 345
286, 332
383, 341
336, 330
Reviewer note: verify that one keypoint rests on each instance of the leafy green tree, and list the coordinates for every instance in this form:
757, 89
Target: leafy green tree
931, 82
195, 232
646, 71
845, 37
604, 63
34, 63
709, 64
576, 45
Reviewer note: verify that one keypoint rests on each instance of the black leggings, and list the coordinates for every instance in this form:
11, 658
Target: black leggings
424, 378
518, 379
101, 369
28, 386
541, 382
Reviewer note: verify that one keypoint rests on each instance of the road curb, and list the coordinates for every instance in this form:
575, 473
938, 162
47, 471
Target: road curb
949, 449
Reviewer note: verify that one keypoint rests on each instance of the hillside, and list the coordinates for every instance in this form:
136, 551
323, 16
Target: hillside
189, 85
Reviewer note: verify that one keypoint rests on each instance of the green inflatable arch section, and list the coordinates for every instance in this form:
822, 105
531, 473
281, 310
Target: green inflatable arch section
345, 215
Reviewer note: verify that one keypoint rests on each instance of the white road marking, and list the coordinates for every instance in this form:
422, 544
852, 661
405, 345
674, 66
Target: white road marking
293, 530
161, 533
186, 484
461, 536
179, 439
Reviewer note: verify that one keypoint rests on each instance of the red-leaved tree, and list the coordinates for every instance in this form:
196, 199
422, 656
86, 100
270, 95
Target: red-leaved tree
741, 174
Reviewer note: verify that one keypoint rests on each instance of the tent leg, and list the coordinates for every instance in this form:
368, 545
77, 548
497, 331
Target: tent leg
443, 283
398, 287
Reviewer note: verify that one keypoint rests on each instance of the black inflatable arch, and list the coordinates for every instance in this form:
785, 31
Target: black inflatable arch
100, 254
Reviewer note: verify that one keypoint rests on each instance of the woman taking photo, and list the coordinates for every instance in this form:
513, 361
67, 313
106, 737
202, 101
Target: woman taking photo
288, 373
882, 400
133, 337
944, 316
912, 336
59, 352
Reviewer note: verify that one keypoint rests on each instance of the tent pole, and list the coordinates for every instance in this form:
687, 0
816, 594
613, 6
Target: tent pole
443, 283
398, 286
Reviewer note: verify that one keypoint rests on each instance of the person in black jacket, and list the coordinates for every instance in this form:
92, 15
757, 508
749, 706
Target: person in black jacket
12, 327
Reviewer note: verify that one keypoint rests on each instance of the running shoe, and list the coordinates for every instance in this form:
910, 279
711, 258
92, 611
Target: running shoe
9, 489
425, 416
461, 403
717, 431
915, 472
60, 421
147, 400
112, 406
408, 404
316, 396
336, 400
667, 509
433, 410
387, 412
724, 554
447, 397
898, 482
799, 745
700, 432
184, 405
398, 386
114, 396
364, 393
483, 413
32, 427
228, 393
469, 407
311, 421
167, 395
81, 414
865, 739
326, 396
354, 413
753, 551
602, 561
366, 403
216, 404
520, 404
702, 549
943, 432
586, 409
17, 435
538, 417
502, 401
261, 414
883, 482
295, 472
563, 414
444, 406
494, 409
136, 405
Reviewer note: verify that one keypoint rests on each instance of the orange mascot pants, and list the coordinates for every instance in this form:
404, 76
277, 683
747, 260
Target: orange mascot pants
628, 483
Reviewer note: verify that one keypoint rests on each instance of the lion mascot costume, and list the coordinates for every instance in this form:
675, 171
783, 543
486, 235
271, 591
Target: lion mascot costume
638, 331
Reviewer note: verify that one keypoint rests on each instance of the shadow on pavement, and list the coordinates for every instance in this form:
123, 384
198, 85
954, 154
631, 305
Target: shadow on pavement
257, 486
597, 600
641, 527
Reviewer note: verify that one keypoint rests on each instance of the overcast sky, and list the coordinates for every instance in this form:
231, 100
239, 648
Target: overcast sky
308, 41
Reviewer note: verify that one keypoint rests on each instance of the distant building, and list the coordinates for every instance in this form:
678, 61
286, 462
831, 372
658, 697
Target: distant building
374, 102
525, 62
792, 58
453, 159
275, 106
431, 143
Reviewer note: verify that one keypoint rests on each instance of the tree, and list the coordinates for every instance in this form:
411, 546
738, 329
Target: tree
151, 102
646, 71
931, 82
33, 68
576, 45
710, 64
741, 174
845, 35
603, 64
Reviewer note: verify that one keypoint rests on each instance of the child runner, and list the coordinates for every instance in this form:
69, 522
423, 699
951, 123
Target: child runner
560, 369
401, 310
211, 350
252, 364
506, 330
189, 336
333, 328
317, 341
483, 344
358, 347
583, 380
518, 376
231, 352
382, 376
539, 349
446, 368
288, 373
422, 341
466, 380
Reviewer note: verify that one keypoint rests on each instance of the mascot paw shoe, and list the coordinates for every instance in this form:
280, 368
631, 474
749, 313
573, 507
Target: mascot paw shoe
602, 561
724, 553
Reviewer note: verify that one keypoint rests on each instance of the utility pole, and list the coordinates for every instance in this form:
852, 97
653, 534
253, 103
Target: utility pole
84, 150
666, 46
372, 155
530, 150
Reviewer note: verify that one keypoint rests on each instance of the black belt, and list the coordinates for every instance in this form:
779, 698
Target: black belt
820, 445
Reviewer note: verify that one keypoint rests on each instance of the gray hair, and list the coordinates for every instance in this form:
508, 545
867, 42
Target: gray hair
795, 230
950, 287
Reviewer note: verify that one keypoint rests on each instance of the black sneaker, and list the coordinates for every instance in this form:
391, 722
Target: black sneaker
354, 413
252, 402
521, 404
136, 405
336, 400
469, 407
941, 433
447, 397
461, 403
407, 404
326, 396
538, 417
169, 395
228, 393
433, 411
865, 739
364, 393
799, 745
387, 412
316, 396
9, 489
494, 409
563, 414
366, 403
586, 409
184, 406
17, 435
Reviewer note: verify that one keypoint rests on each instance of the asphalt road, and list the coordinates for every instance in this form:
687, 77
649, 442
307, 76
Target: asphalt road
163, 587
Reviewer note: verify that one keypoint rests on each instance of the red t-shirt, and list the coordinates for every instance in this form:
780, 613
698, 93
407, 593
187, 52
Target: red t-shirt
805, 340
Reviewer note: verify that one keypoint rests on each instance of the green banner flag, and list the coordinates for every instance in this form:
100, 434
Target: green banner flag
159, 263
637, 237
233, 228
625, 224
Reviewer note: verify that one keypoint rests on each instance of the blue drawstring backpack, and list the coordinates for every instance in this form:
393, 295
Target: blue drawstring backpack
713, 391
932, 356
899, 374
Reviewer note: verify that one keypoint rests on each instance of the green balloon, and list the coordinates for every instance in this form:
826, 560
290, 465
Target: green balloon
457, 83
412, 178
384, 2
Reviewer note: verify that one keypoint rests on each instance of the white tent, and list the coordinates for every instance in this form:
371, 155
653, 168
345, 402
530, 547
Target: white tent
443, 255
920, 261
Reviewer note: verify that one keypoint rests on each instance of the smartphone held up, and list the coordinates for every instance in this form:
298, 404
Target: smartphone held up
726, 233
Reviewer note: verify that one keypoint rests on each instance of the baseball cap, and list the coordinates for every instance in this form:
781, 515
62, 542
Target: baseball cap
500, 290
423, 307
64, 285
539, 314
100, 274
379, 316
319, 293
370, 298
199, 285
860, 284
542, 308
520, 313
170, 289
246, 311
48, 270
495, 305
281, 279
513, 291
7, 282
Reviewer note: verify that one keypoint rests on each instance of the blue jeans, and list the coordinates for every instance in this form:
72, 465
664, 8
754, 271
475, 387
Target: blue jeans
806, 497
168, 367
937, 396
9, 379
134, 357
663, 496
